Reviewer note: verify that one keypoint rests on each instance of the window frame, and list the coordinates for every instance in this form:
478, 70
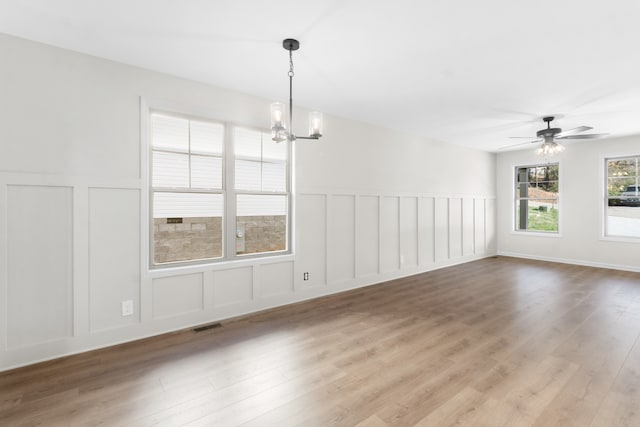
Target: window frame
606, 197
516, 200
227, 190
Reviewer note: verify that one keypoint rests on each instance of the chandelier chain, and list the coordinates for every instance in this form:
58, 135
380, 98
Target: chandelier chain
290, 63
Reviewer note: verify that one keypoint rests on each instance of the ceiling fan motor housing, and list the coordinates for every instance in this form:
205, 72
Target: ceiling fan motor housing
549, 132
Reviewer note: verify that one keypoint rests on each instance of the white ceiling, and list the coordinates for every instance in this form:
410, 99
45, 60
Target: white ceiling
465, 72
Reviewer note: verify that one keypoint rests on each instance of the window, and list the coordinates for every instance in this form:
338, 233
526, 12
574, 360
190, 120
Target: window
622, 210
261, 192
217, 191
536, 201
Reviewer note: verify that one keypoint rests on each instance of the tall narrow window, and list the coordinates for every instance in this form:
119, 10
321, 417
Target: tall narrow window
262, 192
187, 189
623, 197
536, 198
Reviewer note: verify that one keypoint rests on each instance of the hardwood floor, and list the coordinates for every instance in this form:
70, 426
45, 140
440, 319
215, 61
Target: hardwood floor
496, 342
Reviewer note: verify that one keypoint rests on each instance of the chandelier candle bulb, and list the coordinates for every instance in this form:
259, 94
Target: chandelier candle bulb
277, 116
315, 124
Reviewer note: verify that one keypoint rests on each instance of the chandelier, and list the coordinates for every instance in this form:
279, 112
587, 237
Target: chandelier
282, 130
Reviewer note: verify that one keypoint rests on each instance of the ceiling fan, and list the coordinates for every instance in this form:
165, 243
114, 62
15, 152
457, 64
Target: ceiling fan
549, 137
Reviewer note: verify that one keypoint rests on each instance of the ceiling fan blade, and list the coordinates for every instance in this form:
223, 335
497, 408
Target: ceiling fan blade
573, 131
588, 136
519, 137
522, 143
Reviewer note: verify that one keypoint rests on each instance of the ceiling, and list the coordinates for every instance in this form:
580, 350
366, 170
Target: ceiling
465, 72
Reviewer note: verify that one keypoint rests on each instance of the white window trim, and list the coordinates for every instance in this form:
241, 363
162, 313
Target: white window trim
147, 107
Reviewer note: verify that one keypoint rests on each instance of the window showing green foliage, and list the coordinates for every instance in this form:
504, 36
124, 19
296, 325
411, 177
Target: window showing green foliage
536, 198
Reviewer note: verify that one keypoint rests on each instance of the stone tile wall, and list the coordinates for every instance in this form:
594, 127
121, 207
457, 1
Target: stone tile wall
264, 233
201, 238
194, 238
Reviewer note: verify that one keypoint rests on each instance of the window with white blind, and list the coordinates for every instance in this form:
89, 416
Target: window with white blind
261, 186
208, 207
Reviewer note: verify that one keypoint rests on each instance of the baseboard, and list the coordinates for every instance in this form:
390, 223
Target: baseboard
571, 261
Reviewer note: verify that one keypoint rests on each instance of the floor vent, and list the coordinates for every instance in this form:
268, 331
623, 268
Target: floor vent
207, 327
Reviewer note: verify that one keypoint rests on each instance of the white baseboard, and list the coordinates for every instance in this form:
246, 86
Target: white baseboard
571, 261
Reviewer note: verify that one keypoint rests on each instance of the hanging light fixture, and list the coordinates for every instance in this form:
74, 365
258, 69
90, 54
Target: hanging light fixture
550, 147
282, 130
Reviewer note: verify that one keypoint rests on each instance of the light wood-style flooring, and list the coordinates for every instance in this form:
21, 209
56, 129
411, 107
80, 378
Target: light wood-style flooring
495, 342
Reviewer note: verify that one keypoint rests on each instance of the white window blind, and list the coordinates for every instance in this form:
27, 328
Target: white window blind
260, 204
261, 164
186, 155
187, 205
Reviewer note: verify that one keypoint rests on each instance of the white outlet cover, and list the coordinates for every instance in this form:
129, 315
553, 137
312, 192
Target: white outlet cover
127, 308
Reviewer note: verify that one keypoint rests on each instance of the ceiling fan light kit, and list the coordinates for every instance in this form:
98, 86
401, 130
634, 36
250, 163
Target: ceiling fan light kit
279, 122
549, 136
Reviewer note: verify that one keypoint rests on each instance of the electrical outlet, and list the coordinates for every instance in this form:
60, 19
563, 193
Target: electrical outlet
401, 259
127, 308
305, 276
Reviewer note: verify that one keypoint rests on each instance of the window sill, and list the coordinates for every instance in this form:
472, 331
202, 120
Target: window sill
173, 270
620, 239
535, 234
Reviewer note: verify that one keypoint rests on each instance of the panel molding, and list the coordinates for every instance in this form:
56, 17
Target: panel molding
249, 296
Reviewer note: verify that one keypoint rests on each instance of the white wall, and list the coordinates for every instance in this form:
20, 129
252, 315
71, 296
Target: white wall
582, 186
371, 205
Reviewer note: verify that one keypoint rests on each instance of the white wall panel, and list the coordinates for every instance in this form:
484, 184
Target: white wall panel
441, 225
467, 226
232, 286
341, 250
39, 273
426, 232
455, 227
390, 234
491, 224
177, 295
480, 229
311, 239
114, 256
276, 279
409, 231
368, 236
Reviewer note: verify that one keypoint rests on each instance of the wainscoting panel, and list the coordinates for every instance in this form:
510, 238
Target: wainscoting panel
341, 238
441, 229
468, 232
39, 260
176, 295
491, 225
114, 256
455, 228
232, 286
426, 234
276, 279
368, 236
390, 234
311, 240
479, 240
409, 231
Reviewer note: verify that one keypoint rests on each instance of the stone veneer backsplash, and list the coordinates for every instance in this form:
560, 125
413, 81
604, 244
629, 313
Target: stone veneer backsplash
201, 238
